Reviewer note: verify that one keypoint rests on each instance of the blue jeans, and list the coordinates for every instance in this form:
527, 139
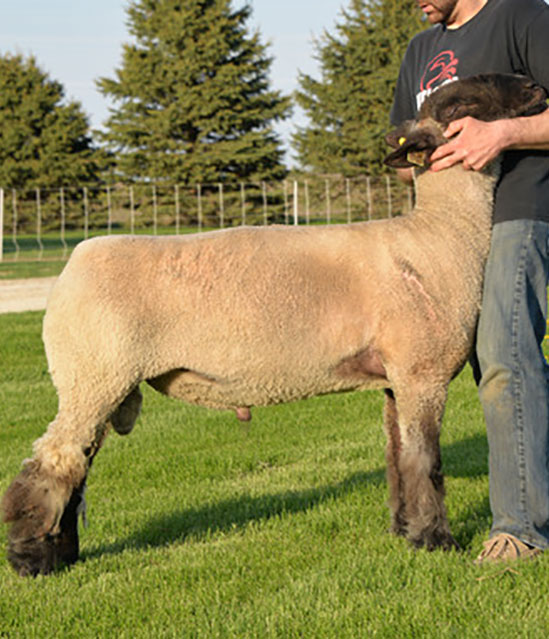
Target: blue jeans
514, 384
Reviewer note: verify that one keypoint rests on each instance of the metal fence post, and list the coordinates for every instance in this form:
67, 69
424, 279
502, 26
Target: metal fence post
243, 202
199, 205
264, 194
286, 205
132, 212
39, 224
109, 211
176, 193
63, 224
389, 198
14, 225
1, 224
296, 203
307, 203
221, 206
155, 211
348, 199
369, 197
86, 213
328, 203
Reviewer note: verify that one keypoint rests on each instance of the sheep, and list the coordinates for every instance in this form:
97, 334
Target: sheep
247, 317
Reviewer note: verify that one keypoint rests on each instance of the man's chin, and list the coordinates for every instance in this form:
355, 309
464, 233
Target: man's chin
433, 17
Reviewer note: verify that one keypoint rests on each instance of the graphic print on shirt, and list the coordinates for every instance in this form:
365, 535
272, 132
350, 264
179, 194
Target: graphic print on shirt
439, 71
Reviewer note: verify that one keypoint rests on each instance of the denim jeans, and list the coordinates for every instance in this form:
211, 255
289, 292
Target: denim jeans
514, 384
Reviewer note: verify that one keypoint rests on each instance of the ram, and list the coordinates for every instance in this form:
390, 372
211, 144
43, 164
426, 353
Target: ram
254, 316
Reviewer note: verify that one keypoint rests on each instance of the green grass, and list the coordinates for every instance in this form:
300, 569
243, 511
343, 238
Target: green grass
31, 261
25, 269
202, 527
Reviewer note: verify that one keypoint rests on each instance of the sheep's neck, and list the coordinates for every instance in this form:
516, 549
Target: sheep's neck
453, 219
465, 198
454, 211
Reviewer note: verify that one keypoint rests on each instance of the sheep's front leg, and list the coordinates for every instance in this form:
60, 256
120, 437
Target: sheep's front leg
413, 420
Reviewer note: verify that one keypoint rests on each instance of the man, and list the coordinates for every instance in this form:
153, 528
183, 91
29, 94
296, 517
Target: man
503, 36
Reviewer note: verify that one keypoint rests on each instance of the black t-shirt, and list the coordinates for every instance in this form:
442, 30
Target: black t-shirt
505, 36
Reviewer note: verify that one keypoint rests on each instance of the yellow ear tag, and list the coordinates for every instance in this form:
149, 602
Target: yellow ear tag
414, 157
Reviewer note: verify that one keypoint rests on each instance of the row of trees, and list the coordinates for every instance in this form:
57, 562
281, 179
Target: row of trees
193, 103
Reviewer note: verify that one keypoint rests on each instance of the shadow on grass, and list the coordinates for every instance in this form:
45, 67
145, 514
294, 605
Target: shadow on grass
466, 458
234, 514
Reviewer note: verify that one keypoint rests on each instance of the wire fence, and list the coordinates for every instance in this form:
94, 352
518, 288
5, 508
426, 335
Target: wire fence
42, 224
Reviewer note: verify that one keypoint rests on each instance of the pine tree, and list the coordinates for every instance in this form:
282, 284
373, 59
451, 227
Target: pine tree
194, 103
44, 140
348, 109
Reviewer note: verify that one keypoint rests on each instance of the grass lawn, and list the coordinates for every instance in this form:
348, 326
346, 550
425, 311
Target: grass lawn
201, 527
33, 262
24, 269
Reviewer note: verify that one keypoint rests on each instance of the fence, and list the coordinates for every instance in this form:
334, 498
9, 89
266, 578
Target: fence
47, 223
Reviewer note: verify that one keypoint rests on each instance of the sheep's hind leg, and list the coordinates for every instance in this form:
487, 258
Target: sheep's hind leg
392, 454
421, 482
43, 502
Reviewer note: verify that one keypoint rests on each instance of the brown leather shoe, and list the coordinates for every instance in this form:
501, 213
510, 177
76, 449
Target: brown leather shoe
504, 547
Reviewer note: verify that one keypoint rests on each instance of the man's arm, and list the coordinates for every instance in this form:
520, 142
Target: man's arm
476, 143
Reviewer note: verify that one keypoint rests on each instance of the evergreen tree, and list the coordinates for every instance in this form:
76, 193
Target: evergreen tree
348, 109
193, 96
43, 140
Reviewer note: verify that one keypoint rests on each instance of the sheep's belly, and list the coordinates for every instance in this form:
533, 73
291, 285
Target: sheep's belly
196, 388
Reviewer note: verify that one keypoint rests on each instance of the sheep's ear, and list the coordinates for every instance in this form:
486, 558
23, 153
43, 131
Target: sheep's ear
414, 150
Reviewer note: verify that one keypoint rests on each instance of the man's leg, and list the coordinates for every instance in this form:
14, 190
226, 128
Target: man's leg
514, 388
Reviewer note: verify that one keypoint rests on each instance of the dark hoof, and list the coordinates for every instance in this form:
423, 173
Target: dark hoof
435, 540
399, 531
31, 556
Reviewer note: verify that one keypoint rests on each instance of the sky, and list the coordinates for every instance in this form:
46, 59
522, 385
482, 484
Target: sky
78, 41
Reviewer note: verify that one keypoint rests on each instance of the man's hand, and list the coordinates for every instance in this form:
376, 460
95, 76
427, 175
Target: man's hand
472, 142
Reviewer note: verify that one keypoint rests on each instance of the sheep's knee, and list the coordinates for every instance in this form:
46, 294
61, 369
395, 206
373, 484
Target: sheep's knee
124, 417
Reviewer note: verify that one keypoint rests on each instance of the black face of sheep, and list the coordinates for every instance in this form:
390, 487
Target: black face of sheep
485, 97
